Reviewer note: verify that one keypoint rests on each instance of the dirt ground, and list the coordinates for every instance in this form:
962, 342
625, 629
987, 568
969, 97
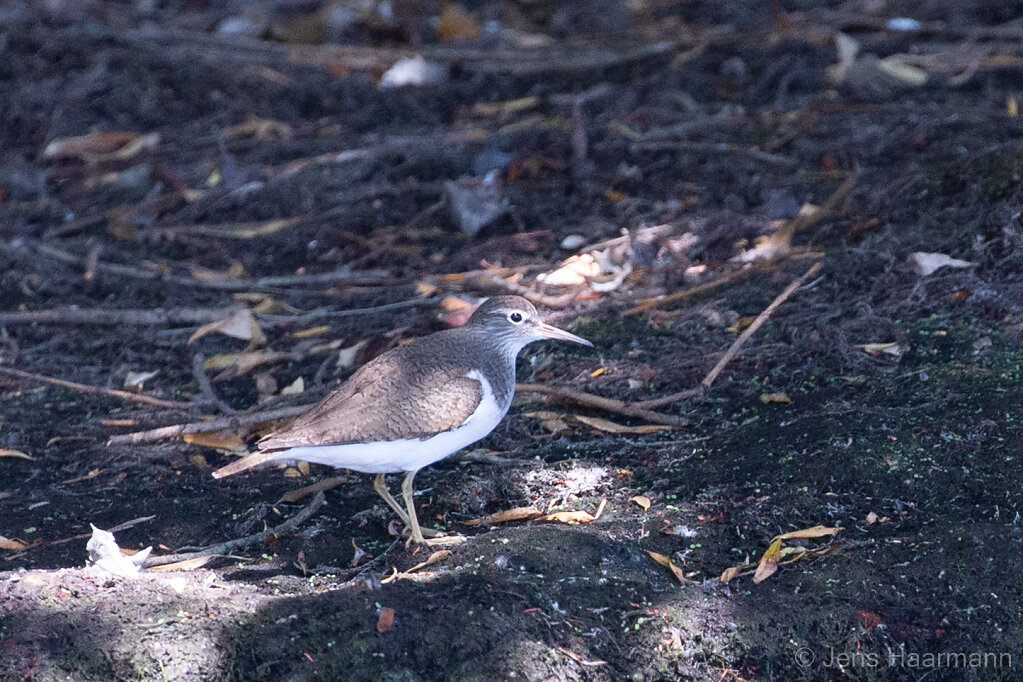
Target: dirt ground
262, 167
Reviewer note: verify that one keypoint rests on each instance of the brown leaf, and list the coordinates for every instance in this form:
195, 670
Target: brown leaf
516, 514
731, 573
312, 331
456, 24
768, 563
385, 620
813, 532
94, 147
642, 500
575, 516
439, 555
7, 543
675, 570
614, 427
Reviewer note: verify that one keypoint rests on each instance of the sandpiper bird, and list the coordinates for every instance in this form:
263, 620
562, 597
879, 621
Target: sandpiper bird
415, 404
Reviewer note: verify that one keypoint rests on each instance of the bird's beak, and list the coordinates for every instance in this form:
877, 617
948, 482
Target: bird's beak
548, 332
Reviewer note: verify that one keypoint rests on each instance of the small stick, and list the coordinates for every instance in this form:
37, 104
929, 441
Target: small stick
100, 316
601, 403
326, 314
734, 348
228, 284
230, 422
206, 388
655, 301
94, 390
227, 547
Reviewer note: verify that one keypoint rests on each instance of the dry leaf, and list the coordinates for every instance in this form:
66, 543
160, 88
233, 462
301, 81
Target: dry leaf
871, 518
347, 357
15, 453
642, 500
95, 147
614, 427
891, 348
312, 331
7, 543
385, 620
295, 387
730, 573
185, 564
806, 533
134, 380
215, 439
439, 555
925, 264
571, 517
675, 570
240, 325
516, 514
775, 398
769, 562
456, 24
357, 557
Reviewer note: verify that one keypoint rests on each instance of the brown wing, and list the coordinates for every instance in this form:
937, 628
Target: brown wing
392, 398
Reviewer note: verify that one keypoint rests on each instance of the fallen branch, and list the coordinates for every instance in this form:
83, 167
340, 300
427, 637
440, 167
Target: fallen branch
206, 388
645, 304
25, 247
601, 403
127, 317
256, 538
733, 350
232, 422
98, 390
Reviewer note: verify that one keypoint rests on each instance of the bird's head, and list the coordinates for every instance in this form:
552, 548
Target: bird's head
516, 321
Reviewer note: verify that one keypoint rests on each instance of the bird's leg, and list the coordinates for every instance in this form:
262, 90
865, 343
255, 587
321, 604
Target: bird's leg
380, 485
406, 492
436, 538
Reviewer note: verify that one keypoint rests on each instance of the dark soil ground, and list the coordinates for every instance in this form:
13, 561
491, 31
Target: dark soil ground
714, 120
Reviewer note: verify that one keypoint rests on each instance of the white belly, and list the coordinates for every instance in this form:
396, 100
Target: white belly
394, 456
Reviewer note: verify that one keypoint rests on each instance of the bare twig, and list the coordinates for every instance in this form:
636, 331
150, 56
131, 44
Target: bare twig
257, 538
231, 422
713, 148
127, 317
734, 348
199, 372
227, 284
657, 301
601, 403
119, 527
98, 390
325, 314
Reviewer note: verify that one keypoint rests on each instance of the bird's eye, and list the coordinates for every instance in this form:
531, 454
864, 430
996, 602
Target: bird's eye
515, 318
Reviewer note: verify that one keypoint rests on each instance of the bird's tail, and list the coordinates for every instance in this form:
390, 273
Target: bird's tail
247, 462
